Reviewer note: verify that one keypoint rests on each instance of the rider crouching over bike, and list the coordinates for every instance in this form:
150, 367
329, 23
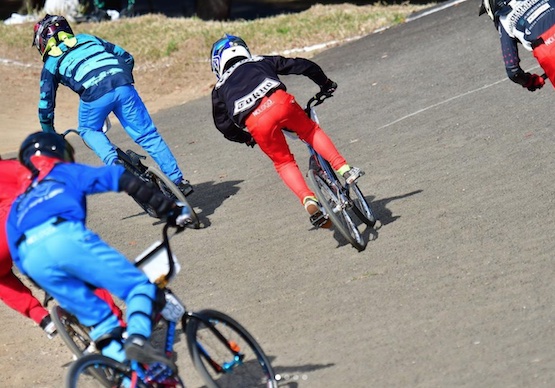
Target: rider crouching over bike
531, 23
249, 94
101, 73
50, 243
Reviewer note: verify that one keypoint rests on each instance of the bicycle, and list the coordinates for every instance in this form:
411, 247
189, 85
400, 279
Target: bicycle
339, 200
132, 162
222, 350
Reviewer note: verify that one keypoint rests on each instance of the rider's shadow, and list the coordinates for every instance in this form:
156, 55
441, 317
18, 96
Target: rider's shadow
208, 196
383, 216
205, 199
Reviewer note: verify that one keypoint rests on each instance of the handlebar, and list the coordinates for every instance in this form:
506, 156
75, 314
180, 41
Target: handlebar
166, 243
316, 100
68, 131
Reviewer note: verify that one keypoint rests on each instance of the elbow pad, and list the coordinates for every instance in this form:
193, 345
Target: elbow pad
145, 193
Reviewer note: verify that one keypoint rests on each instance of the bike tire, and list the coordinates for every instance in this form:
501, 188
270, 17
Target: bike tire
74, 334
215, 333
362, 208
96, 370
170, 190
341, 219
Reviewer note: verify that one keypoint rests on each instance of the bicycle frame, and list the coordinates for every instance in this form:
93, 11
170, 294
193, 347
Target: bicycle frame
323, 165
161, 373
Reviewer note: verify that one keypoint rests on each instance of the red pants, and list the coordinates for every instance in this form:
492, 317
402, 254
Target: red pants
545, 54
265, 123
12, 291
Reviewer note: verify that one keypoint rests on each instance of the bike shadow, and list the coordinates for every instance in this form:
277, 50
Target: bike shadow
291, 376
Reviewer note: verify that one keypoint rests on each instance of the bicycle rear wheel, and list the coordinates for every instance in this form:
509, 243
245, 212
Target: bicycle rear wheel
362, 208
337, 210
74, 334
170, 190
96, 370
225, 354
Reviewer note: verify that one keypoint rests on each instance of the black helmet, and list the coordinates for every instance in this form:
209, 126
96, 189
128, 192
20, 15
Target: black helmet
50, 31
46, 144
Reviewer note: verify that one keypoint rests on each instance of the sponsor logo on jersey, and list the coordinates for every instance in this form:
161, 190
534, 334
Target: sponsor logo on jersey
248, 101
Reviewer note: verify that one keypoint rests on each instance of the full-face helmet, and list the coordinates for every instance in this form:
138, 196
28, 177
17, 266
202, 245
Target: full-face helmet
225, 49
49, 32
45, 144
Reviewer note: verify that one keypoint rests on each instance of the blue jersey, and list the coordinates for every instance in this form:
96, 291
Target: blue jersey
522, 21
61, 193
91, 68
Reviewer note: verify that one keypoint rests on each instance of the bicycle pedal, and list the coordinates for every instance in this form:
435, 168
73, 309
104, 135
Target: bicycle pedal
320, 220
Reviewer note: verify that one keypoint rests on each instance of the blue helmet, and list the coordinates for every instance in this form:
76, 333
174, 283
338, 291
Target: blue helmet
226, 49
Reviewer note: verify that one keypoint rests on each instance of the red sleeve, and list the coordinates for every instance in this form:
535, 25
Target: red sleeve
13, 176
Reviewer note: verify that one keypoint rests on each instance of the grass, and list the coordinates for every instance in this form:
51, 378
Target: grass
151, 38
172, 54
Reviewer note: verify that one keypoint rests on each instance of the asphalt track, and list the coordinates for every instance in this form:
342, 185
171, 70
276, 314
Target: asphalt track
456, 287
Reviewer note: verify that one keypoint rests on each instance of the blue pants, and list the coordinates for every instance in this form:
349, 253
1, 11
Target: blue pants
67, 259
131, 112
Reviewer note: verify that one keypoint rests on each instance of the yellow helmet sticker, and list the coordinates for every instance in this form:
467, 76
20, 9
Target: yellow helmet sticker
52, 48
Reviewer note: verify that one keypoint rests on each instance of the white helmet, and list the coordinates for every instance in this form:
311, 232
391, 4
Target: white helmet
226, 49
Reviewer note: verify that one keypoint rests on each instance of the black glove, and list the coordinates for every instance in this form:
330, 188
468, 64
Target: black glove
251, 142
329, 87
533, 82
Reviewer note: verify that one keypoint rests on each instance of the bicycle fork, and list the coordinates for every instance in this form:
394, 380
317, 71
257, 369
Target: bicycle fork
233, 348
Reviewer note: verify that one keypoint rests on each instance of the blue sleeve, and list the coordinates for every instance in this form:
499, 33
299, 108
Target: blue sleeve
117, 50
47, 99
93, 180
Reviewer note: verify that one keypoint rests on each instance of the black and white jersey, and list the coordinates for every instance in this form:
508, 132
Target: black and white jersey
523, 22
243, 85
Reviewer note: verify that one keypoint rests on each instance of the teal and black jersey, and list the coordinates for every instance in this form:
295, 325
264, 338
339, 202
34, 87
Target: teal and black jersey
91, 68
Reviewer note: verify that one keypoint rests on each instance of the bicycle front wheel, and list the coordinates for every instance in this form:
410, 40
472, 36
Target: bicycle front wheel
74, 334
170, 190
362, 208
225, 353
337, 210
96, 370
